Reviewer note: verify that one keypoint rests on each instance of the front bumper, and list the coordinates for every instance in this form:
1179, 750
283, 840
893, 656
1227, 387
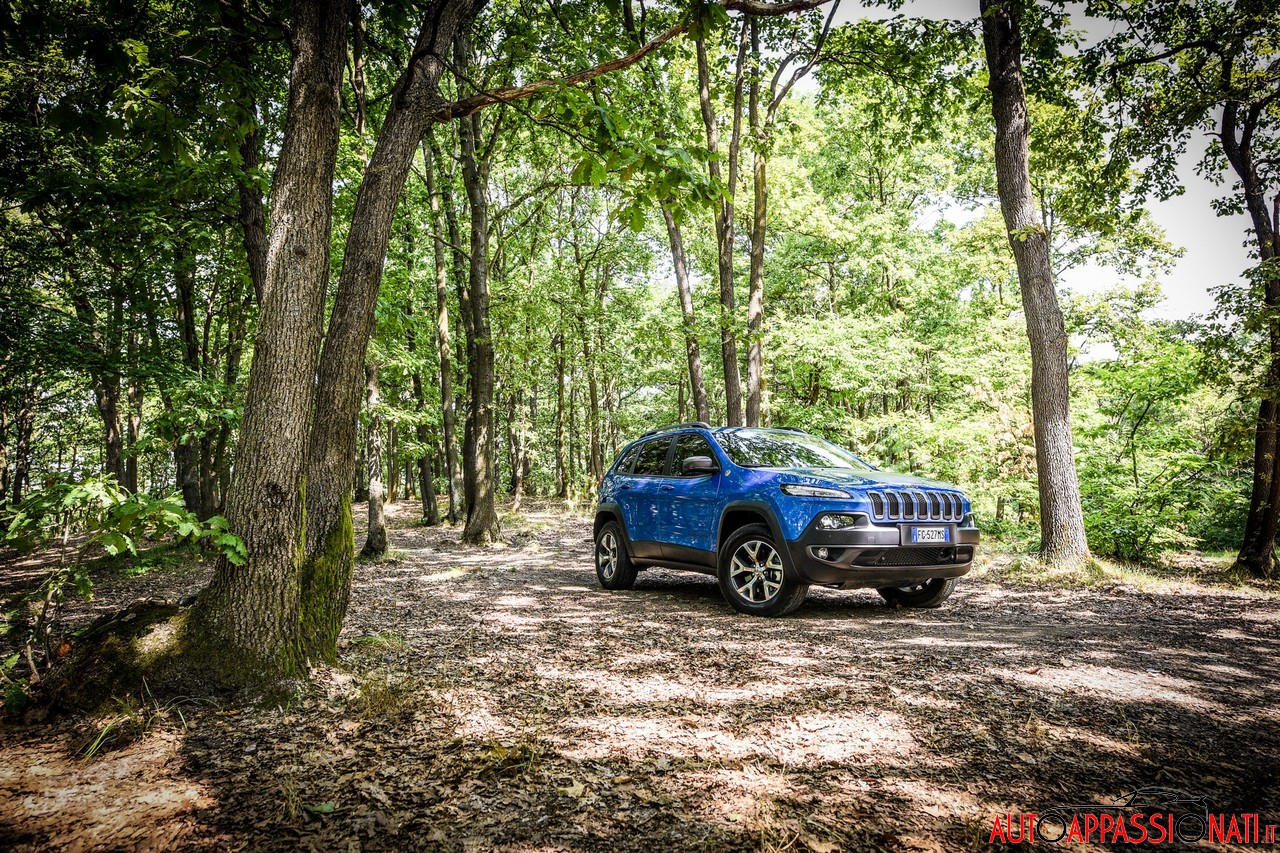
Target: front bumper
875, 556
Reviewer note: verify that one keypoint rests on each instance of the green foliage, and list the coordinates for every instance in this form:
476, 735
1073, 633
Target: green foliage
100, 515
111, 518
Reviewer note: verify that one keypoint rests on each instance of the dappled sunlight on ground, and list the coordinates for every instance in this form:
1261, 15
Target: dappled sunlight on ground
498, 699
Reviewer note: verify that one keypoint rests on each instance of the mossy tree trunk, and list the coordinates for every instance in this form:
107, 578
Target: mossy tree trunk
329, 561
248, 619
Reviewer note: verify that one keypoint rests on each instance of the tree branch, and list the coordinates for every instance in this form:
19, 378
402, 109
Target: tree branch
1211, 46
472, 104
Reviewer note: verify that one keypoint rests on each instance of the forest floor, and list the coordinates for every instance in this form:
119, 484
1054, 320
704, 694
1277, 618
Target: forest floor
498, 699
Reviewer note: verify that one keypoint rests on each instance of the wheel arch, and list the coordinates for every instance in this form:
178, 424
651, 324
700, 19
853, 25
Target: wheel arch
605, 513
738, 514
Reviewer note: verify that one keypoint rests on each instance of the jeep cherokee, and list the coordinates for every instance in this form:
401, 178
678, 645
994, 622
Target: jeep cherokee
771, 512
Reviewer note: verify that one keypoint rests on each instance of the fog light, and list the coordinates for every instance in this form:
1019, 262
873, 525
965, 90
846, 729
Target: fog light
835, 521
822, 553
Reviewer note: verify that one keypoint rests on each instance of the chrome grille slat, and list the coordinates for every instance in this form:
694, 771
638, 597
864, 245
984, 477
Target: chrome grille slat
915, 505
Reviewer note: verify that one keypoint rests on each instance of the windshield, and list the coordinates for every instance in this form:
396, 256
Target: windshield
752, 448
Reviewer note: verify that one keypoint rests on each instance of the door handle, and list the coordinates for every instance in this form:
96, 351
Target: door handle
668, 488
624, 488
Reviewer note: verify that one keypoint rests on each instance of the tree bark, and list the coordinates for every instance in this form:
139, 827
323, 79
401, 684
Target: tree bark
426, 486
4, 451
1061, 518
482, 514
326, 575
723, 215
448, 415
692, 351
133, 419
249, 616
186, 454
1257, 554
759, 216
562, 462
24, 426
375, 543
251, 212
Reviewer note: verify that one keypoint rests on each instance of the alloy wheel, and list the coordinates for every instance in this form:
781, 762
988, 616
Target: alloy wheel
756, 571
607, 555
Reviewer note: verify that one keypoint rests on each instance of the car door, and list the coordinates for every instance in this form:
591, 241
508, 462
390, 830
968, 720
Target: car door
693, 504
641, 498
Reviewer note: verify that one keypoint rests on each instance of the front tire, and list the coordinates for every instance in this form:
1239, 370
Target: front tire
752, 577
927, 593
613, 565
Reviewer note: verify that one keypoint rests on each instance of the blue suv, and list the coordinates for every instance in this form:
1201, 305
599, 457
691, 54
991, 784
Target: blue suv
771, 512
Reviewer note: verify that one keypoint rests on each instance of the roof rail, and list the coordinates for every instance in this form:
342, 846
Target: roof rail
793, 429
702, 424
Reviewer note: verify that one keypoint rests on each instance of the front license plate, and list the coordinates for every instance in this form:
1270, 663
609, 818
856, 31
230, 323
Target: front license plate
923, 535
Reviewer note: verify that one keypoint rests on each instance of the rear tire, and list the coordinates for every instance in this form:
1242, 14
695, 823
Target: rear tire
613, 565
929, 593
752, 577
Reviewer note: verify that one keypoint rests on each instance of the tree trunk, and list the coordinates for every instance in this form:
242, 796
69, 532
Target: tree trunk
392, 492
1061, 517
24, 428
517, 434
723, 214
4, 452
1258, 548
685, 289
251, 212
447, 412
482, 513
375, 544
239, 305
562, 464
755, 298
186, 454
426, 487
326, 575
133, 420
248, 619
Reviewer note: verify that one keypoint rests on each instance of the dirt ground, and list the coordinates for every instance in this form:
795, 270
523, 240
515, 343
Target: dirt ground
498, 699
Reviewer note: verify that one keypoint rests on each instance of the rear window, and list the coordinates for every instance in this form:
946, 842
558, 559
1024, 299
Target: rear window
652, 461
752, 448
624, 464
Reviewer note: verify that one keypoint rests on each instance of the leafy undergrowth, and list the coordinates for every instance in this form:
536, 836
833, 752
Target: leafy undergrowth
497, 699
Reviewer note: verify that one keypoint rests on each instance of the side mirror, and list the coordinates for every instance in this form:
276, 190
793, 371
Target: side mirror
696, 465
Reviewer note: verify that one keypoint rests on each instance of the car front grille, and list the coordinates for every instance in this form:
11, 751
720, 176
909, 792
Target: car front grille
916, 505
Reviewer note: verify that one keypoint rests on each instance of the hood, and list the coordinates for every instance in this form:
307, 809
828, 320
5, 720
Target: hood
850, 478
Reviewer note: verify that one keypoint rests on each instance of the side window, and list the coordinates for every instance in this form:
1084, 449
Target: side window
652, 461
690, 444
624, 464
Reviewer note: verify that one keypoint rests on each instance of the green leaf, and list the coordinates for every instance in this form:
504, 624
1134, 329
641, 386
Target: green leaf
116, 543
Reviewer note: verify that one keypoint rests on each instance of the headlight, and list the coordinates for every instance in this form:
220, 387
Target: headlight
840, 521
800, 491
